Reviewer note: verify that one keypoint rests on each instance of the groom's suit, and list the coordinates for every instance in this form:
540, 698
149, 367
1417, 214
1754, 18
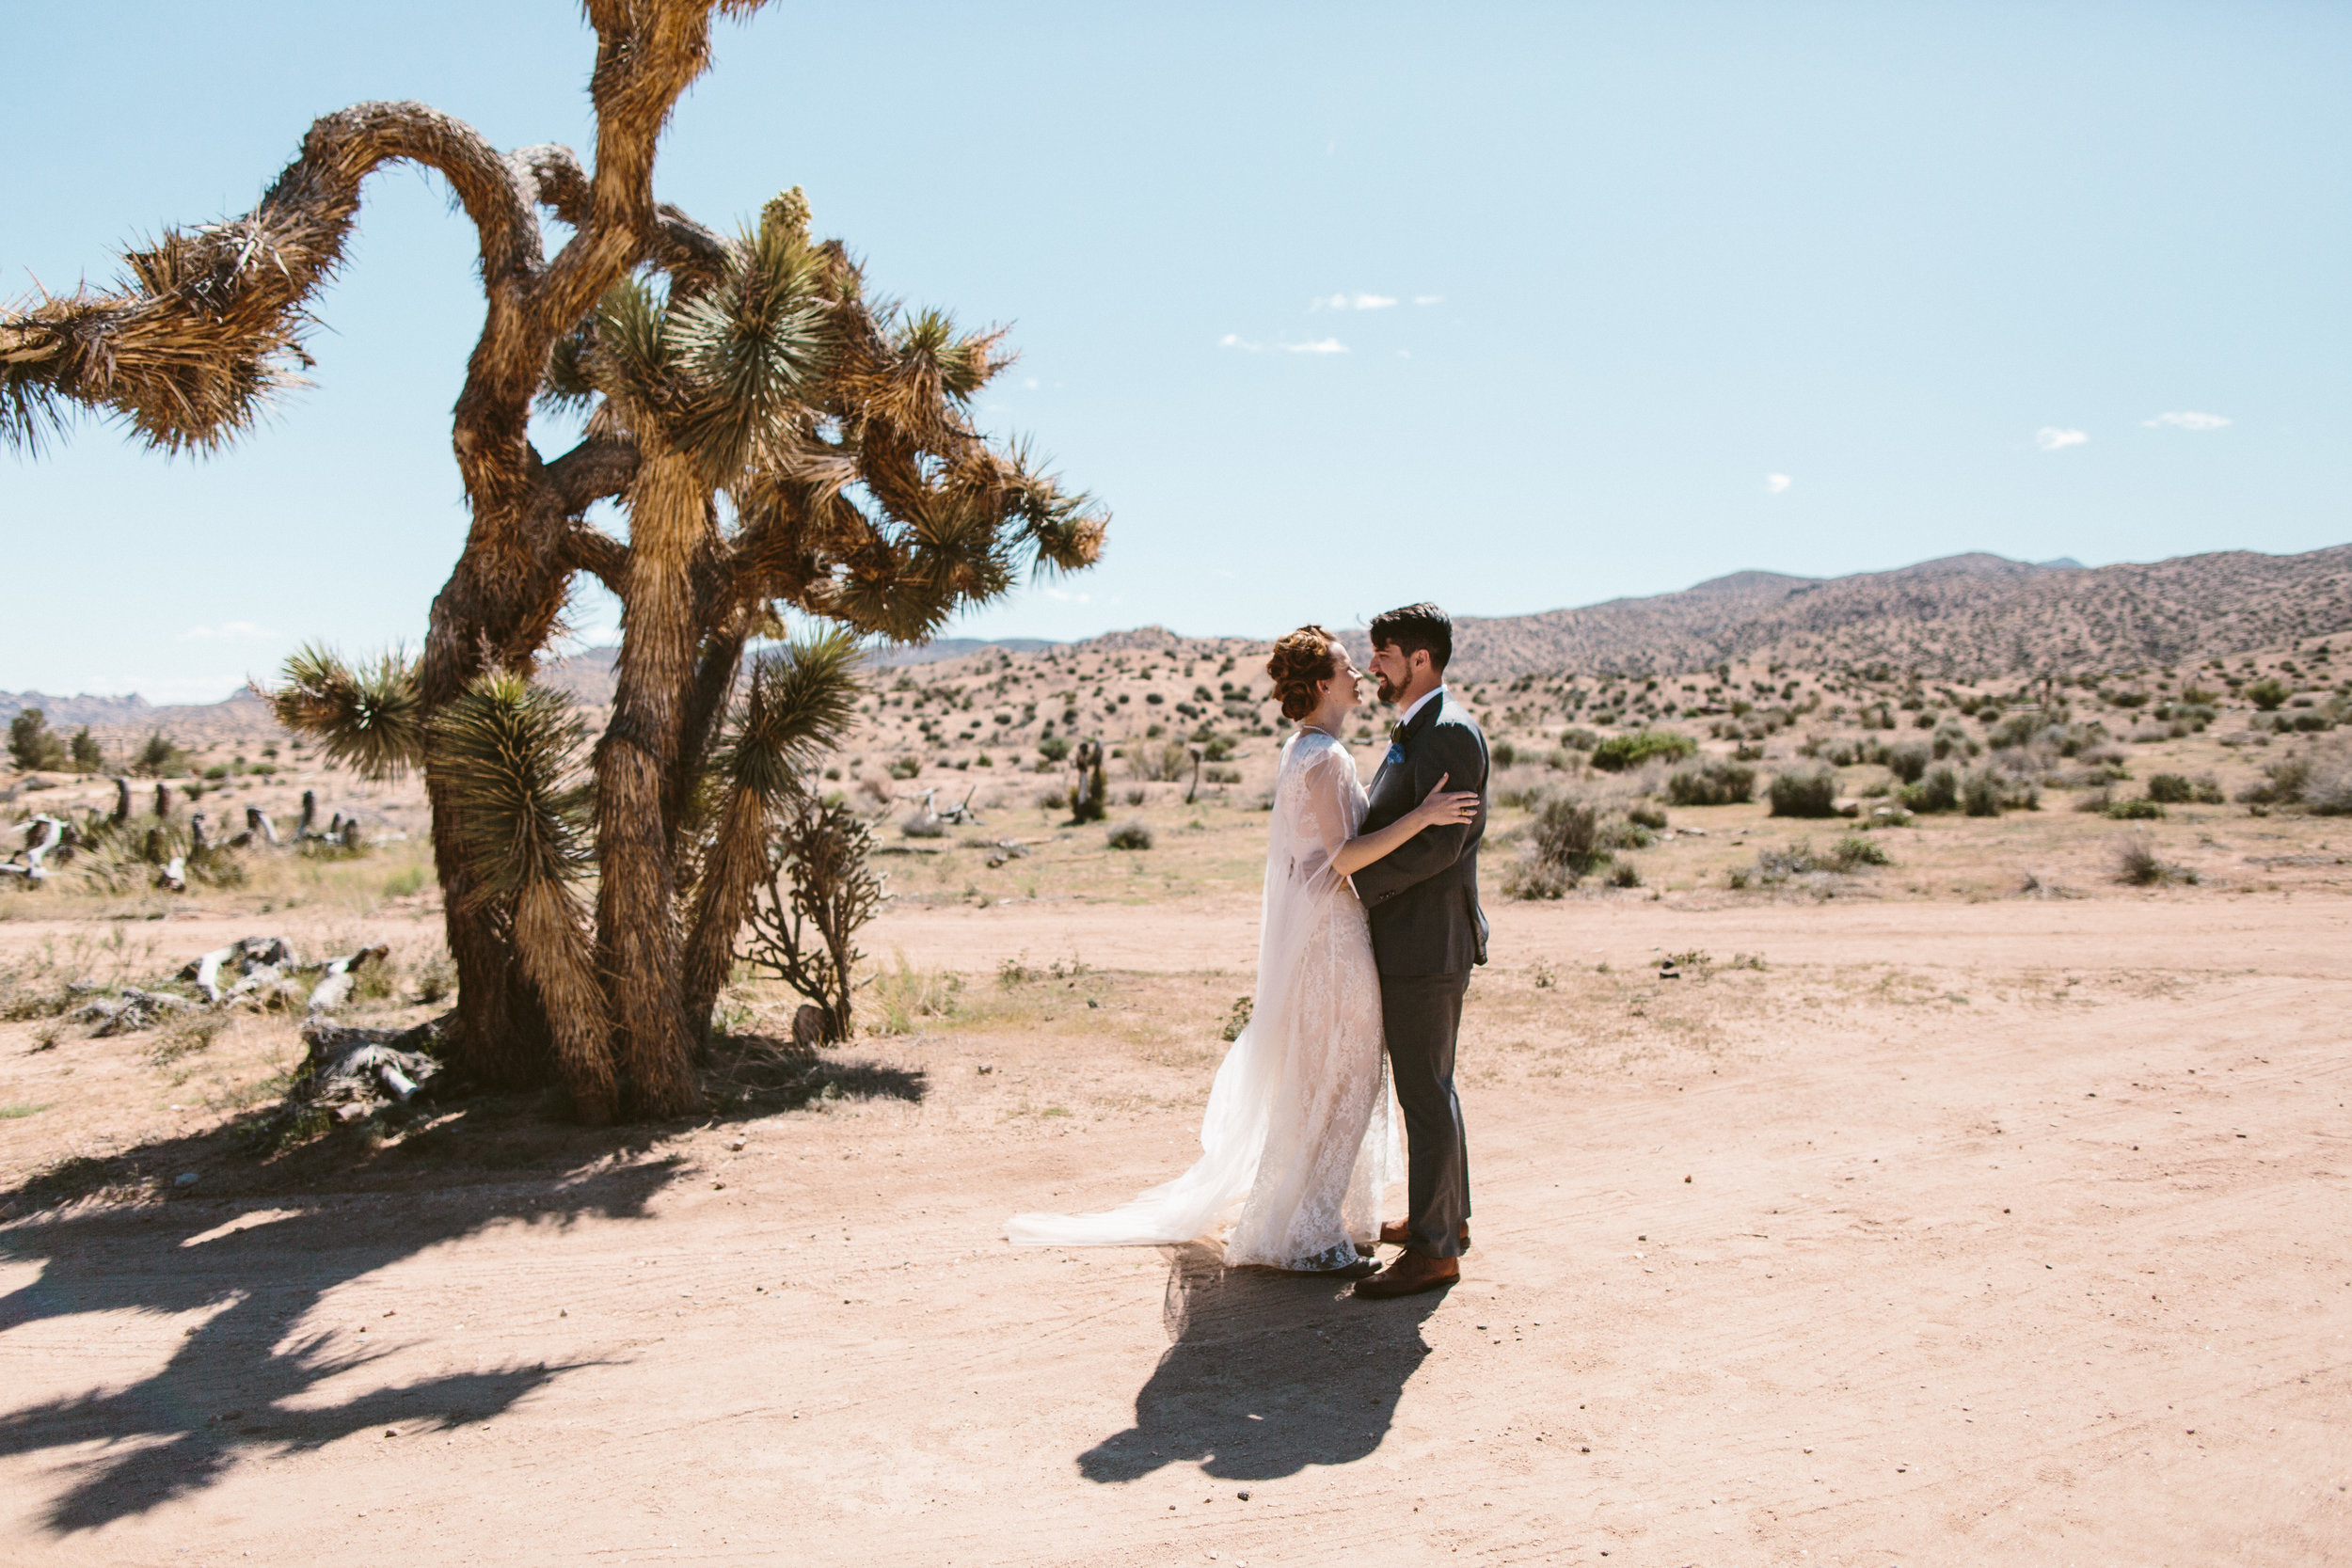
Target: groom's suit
1427, 933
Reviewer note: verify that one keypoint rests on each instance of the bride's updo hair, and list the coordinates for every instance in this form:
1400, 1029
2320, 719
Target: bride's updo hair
1301, 662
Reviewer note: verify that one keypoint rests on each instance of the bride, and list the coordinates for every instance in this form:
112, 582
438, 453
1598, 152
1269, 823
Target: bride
1299, 1141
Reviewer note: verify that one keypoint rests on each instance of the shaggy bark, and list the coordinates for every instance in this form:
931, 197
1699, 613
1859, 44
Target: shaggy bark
637, 899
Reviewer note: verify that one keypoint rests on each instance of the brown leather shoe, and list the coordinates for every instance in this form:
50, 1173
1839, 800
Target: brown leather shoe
1410, 1274
1400, 1233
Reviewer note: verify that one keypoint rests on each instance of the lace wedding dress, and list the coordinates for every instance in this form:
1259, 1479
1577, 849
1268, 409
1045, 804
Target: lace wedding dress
1299, 1142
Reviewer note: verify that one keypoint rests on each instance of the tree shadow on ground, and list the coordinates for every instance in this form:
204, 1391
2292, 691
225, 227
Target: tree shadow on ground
126, 1234
1267, 1374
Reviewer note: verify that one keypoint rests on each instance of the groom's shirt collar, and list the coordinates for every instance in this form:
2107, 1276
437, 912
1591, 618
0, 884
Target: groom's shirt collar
1435, 693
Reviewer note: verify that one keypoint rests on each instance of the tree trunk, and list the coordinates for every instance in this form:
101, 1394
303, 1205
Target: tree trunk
636, 903
737, 864
556, 954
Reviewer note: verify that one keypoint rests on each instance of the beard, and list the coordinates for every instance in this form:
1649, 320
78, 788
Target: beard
1389, 690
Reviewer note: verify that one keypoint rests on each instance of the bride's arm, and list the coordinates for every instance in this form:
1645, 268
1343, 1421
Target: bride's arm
1437, 809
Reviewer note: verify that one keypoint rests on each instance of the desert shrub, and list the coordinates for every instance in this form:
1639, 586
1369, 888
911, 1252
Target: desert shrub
1237, 1019
923, 826
2136, 863
1938, 789
1222, 775
1053, 748
1907, 762
1502, 754
1530, 878
2139, 809
905, 995
2268, 694
1714, 782
1621, 751
1129, 834
1567, 833
1159, 761
1853, 851
2173, 789
905, 767
1647, 816
158, 757
1980, 794
1576, 738
1517, 790
1625, 874
1807, 792
1563, 760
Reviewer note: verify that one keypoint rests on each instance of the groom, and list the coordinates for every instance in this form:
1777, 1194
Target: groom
1427, 933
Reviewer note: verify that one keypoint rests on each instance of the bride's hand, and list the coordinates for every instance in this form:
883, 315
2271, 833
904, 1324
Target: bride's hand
1439, 809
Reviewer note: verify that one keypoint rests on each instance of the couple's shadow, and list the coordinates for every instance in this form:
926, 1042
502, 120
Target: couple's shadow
1267, 1374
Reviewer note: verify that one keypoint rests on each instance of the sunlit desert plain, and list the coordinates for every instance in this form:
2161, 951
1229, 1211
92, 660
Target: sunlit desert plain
1896, 1184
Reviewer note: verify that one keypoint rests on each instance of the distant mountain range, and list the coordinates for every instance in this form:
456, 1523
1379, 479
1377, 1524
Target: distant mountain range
1965, 617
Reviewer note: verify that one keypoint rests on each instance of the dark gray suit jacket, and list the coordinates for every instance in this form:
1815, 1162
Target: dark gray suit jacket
1422, 897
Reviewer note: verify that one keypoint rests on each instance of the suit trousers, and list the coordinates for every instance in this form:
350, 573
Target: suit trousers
1421, 1016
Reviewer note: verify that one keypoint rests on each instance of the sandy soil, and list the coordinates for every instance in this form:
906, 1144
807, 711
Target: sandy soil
2008, 1232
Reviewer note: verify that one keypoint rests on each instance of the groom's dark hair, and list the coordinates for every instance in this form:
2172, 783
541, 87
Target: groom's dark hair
1416, 628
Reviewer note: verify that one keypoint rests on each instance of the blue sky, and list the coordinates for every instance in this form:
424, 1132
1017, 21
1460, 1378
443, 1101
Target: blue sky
1336, 307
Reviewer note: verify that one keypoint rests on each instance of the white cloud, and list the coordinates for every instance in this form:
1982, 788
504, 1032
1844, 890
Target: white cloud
2052, 437
229, 631
1321, 345
1030, 384
2189, 419
1429, 300
1234, 340
1351, 302
1776, 483
1061, 597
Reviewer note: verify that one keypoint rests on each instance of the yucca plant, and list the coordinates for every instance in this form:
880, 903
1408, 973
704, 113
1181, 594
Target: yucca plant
783, 445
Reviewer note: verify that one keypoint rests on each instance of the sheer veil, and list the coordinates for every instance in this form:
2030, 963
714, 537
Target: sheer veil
1309, 1025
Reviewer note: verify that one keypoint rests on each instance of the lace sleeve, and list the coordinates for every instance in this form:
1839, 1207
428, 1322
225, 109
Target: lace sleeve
1322, 808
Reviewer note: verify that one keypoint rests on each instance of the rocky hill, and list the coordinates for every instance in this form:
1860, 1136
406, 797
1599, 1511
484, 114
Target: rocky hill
1967, 617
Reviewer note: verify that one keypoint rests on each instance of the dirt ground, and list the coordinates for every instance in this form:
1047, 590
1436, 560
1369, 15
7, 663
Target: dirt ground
2006, 1231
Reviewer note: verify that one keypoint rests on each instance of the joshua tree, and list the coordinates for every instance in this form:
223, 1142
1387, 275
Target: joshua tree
778, 440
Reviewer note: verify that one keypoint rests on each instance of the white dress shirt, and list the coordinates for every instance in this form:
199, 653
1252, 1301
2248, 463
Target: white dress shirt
1432, 694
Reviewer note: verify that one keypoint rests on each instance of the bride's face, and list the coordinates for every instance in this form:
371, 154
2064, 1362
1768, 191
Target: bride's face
1339, 693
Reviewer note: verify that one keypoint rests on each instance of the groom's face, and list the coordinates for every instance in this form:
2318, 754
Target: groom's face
1393, 669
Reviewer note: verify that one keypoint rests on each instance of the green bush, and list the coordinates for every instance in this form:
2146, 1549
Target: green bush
1854, 850
1129, 834
1053, 748
1621, 751
1980, 794
31, 744
2141, 810
1908, 763
2268, 694
1714, 782
1646, 816
1807, 792
1625, 874
1502, 754
1938, 789
905, 767
2173, 789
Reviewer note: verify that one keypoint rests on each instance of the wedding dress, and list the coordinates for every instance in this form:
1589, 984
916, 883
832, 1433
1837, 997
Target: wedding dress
1299, 1142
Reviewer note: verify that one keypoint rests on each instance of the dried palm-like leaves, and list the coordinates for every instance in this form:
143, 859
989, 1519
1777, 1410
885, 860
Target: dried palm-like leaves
509, 752
369, 717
